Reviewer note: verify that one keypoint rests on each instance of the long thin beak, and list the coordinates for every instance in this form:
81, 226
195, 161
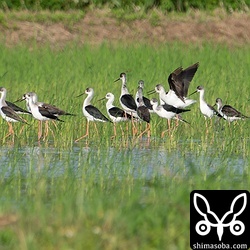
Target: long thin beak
214, 105
81, 94
193, 92
150, 92
20, 99
117, 80
101, 99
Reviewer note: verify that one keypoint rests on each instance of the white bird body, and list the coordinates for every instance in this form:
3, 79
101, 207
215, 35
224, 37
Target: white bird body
6, 117
167, 111
40, 113
171, 98
228, 112
116, 114
126, 99
90, 111
35, 112
50, 108
7, 112
207, 110
160, 111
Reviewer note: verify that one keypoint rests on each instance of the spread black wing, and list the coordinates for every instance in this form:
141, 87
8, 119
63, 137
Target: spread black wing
179, 80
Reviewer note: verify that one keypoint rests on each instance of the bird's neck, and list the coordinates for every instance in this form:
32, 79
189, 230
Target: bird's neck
141, 102
109, 103
124, 89
2, 100
219, 106
202, 96
31, 102
87, 100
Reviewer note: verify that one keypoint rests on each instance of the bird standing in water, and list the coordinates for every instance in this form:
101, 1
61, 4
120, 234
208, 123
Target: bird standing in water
228, 112
91, 112
207, 110
8, 113
115, 113
143, 112
40, 113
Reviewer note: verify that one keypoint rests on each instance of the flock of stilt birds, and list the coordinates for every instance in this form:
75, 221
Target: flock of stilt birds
172, 104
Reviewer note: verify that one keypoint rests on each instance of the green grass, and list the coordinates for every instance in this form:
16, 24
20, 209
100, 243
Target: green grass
121, 193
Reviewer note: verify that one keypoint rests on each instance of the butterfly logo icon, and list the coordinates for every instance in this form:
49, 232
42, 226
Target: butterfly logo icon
203, 227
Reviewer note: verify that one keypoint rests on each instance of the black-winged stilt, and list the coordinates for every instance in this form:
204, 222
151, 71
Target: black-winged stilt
91, 112
228, 112
168, 112
126, 99
8, 113
39, 113
179, 81
143, 112
145, 99
116, 114
207, 110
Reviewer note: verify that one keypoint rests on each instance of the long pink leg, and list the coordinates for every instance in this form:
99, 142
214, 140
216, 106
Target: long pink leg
87, 133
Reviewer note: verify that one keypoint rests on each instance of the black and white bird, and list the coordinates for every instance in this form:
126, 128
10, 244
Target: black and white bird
143, 112
12, 105
51, 108
17, 109
116, 114
91, 112
40, 113
8, 113
207, 110
145, 99
126, 99
179, 81
168, 112
228, 112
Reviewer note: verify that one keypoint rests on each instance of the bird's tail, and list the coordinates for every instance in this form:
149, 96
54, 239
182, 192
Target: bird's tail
178, 117
70, 114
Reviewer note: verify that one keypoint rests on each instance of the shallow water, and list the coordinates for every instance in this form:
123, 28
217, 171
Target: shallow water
142, 160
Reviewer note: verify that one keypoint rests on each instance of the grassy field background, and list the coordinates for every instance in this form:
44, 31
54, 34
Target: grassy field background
121, 193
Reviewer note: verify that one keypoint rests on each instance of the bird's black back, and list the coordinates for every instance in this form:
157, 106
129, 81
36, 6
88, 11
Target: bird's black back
46, 113
16, 108
96, 113
117, 112
173, 109
129, 101
9, 112
230, 111
143, 113
146, 102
